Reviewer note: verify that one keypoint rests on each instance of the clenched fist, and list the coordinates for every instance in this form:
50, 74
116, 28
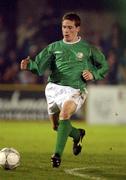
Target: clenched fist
24, 63
87, 75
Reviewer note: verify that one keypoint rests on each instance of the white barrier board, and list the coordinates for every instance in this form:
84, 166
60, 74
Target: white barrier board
106, 105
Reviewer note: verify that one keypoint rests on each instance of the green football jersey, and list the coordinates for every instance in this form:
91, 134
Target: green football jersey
67, 61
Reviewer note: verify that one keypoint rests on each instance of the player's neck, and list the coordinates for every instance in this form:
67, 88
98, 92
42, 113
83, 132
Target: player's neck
74, 41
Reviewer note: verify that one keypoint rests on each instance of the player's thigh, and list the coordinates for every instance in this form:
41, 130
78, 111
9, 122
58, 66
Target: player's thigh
68, 109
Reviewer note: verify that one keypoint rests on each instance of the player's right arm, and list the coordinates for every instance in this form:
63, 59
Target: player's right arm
40, 64
24, 63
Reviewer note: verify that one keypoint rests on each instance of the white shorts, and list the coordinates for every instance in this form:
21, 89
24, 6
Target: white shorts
56, 95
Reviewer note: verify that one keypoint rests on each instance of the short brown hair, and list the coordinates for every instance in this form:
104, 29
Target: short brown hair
72, 17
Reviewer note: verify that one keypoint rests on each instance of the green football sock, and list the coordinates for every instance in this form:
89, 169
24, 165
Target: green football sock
64, 130
75, 134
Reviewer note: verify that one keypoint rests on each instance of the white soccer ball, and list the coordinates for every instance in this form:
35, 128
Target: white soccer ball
9, 158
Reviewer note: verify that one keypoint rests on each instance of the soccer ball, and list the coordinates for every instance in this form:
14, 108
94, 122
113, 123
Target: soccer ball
9, 158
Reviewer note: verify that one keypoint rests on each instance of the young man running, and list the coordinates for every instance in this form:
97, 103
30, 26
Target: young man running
72, 63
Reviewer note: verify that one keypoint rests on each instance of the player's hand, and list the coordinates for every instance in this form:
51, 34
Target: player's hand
24, 63
87, 75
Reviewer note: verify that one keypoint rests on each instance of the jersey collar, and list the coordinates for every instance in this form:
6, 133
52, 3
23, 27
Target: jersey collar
79, 38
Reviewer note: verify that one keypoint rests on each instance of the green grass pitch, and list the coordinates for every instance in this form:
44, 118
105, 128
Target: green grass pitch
103, 155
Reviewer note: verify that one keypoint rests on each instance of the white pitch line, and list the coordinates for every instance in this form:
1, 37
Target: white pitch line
87, 176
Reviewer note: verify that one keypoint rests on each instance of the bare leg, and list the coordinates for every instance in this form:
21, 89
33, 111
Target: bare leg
68, 109
54, 118
64, 128
66, 112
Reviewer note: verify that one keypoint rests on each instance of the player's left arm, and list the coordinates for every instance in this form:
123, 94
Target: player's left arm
100, 65
87, 75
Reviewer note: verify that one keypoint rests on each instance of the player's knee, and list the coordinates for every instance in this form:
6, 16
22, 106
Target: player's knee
64, 115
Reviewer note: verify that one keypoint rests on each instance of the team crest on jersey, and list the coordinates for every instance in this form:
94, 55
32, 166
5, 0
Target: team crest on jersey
80, 55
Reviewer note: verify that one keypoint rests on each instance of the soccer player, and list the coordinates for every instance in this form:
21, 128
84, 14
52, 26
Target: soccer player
72, 63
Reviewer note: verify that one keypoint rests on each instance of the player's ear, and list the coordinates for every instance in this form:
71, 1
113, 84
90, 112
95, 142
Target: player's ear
78, 29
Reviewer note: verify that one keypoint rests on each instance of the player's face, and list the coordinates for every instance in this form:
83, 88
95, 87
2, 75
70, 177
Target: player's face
70, 31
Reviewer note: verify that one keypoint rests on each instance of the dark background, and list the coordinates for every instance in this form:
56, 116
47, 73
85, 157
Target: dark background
27, 26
